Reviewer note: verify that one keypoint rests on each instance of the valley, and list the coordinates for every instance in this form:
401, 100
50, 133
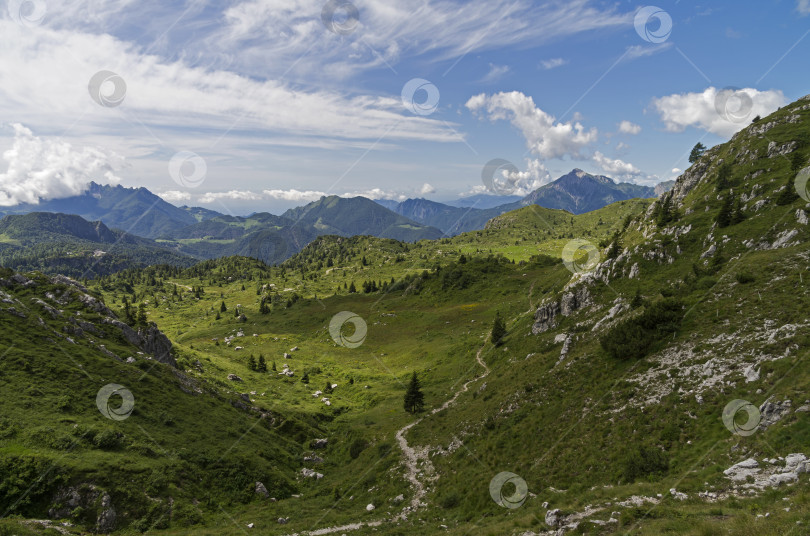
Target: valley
648, 376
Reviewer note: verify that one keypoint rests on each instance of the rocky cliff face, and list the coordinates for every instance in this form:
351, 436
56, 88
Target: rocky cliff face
54, 296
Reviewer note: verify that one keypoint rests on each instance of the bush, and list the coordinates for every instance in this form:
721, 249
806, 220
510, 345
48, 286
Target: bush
357, 447
644, 462
743, 278
633, 338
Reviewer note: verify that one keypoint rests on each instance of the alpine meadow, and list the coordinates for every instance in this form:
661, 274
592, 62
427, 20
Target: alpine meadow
437, 267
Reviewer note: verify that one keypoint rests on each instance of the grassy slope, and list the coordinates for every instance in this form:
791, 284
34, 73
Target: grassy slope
566, 427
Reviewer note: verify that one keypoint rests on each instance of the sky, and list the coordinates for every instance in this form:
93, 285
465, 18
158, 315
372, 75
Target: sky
261, 105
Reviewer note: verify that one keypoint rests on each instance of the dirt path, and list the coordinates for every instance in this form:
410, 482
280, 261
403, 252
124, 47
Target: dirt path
413, 457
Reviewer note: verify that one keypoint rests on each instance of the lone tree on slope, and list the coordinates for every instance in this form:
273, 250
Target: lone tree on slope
414, 398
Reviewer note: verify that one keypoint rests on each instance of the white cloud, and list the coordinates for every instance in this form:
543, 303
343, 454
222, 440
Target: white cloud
496, 72
553, 63
427, 189
803, 6
621, 146
721, 112
290, 31
642, 51
46, 73
233, 195
377, 193
175, 196
544, 135
42, 169
294, 195
617, 168
676, 171
627, 127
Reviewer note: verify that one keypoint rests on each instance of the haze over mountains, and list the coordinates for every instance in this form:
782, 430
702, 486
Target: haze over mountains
179, 234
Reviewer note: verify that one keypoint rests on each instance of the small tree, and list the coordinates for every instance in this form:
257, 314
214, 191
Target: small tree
141, 318
697, 152
252, 363
414, 398
273, 367
352, 288
737, 215
262, 364
498, 330
305, 378
724, 216
222, 308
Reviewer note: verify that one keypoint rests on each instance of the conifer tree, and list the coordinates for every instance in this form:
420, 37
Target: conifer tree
414, 398
498, 330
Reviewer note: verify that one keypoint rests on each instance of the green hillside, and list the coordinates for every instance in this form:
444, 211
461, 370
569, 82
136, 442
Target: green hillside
629, 333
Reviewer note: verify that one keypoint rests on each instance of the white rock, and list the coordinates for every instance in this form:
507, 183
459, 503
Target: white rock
751, 374
370, 508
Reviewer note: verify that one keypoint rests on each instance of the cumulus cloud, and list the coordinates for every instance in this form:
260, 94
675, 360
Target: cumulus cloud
427, 189
615, 167
627, 127
721, 112
233, 195
676, 171
553, 63
544, 135
294, 195
175, 196
803, 6
42, 169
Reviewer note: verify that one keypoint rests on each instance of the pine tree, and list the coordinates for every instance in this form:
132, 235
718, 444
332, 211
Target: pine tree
305, 378
252, 363
141, 319
724, 216
414, 398
737, 215
218, 315
222, 307
498, 330
273, 366
697, 152
352, 288
262, 365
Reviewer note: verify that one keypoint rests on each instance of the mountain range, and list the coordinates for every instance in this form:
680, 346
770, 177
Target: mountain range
104, 215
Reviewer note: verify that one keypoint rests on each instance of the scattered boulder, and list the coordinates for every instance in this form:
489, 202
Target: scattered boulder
320, 443
309, 473
262, 490
751, 374
234, 378
771, 412
106, 519
370, 507
554, 518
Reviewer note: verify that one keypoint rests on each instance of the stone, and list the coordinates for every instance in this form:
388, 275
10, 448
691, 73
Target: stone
801, 217
234, 378
370, 507
262, 490
751, 374
553, 518
309, 473
634, 271
283, 520
320, 443
772, 412
105, 523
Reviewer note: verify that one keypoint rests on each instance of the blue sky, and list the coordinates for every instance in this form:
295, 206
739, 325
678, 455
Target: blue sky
250, 105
